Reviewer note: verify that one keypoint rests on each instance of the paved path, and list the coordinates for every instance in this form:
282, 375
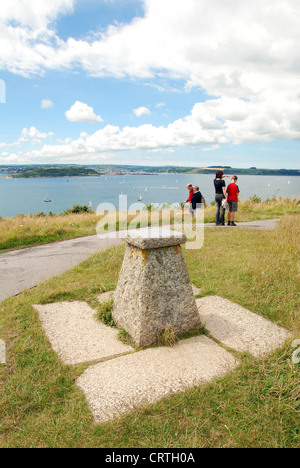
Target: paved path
261, 225
25, 268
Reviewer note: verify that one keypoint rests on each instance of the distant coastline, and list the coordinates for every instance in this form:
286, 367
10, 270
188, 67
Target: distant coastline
37, 171
55, 172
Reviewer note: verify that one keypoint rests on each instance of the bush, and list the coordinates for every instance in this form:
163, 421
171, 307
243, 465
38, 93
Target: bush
255, 199
78, 209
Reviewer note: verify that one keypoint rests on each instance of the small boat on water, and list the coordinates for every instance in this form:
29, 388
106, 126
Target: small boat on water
141, 198
47, 199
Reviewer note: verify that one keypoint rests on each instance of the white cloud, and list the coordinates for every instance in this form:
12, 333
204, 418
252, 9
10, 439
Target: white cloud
81, 112
34, 14
209, 125
244, 55
141, 111
47, 104
32, 132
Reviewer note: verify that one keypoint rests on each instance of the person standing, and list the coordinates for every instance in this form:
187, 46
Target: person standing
220, 195
233, 192
197, 199
191, 194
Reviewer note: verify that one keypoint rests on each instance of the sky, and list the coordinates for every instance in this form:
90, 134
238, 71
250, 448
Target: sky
150, 82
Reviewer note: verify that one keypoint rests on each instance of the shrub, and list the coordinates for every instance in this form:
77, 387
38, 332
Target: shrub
255, 199
78, 209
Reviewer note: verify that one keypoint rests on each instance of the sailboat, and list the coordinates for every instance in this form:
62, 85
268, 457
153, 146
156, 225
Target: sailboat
141, 198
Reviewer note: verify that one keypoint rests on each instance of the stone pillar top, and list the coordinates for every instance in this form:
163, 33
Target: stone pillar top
154, 238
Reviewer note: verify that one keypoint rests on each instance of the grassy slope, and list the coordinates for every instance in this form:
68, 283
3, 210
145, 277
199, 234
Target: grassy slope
255, 406
24, 231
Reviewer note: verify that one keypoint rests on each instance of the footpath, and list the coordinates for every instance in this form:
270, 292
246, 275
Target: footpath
26, 268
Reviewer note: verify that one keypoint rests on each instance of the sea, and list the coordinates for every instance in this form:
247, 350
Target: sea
26, 196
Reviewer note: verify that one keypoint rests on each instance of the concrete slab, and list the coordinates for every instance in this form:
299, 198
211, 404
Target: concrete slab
76, 335
196, 290
118, 386
238, 328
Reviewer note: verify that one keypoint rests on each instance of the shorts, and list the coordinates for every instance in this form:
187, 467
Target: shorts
233, 206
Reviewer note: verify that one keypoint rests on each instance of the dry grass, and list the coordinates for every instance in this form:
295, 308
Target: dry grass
253, 209
23, 231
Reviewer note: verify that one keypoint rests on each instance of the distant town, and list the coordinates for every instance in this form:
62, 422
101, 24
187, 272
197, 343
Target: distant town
59, 170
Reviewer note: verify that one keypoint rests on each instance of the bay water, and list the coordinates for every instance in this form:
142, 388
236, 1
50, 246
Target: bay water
29, 195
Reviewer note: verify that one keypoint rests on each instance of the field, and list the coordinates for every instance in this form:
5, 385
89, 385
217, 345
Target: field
23, 231
255, 406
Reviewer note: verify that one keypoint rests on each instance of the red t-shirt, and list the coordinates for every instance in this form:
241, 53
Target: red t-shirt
190, 196
233, 192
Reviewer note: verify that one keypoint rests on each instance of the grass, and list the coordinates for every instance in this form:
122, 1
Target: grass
255, 406
24, 231
256, 209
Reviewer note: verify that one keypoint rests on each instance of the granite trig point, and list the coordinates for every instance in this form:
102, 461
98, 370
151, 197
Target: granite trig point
154, 289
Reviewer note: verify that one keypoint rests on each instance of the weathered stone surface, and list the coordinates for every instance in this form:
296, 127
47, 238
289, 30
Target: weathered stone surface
76, 335
154, 238
240, 329
154, 291
118, 386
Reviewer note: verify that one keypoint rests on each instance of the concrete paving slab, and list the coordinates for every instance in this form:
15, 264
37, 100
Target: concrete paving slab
118, 386
196, 290
238, 328
76, 335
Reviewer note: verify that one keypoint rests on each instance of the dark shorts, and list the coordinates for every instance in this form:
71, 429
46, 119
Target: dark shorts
233, 206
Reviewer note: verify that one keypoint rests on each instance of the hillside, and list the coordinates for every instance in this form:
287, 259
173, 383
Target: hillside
55, 172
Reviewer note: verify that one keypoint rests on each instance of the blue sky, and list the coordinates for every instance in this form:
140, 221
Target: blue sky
154, 82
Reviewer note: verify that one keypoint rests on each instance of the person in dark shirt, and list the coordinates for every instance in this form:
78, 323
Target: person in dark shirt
220, 195
197, 199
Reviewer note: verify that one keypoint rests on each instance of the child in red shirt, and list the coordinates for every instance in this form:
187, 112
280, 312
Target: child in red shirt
191, 194
232, 198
